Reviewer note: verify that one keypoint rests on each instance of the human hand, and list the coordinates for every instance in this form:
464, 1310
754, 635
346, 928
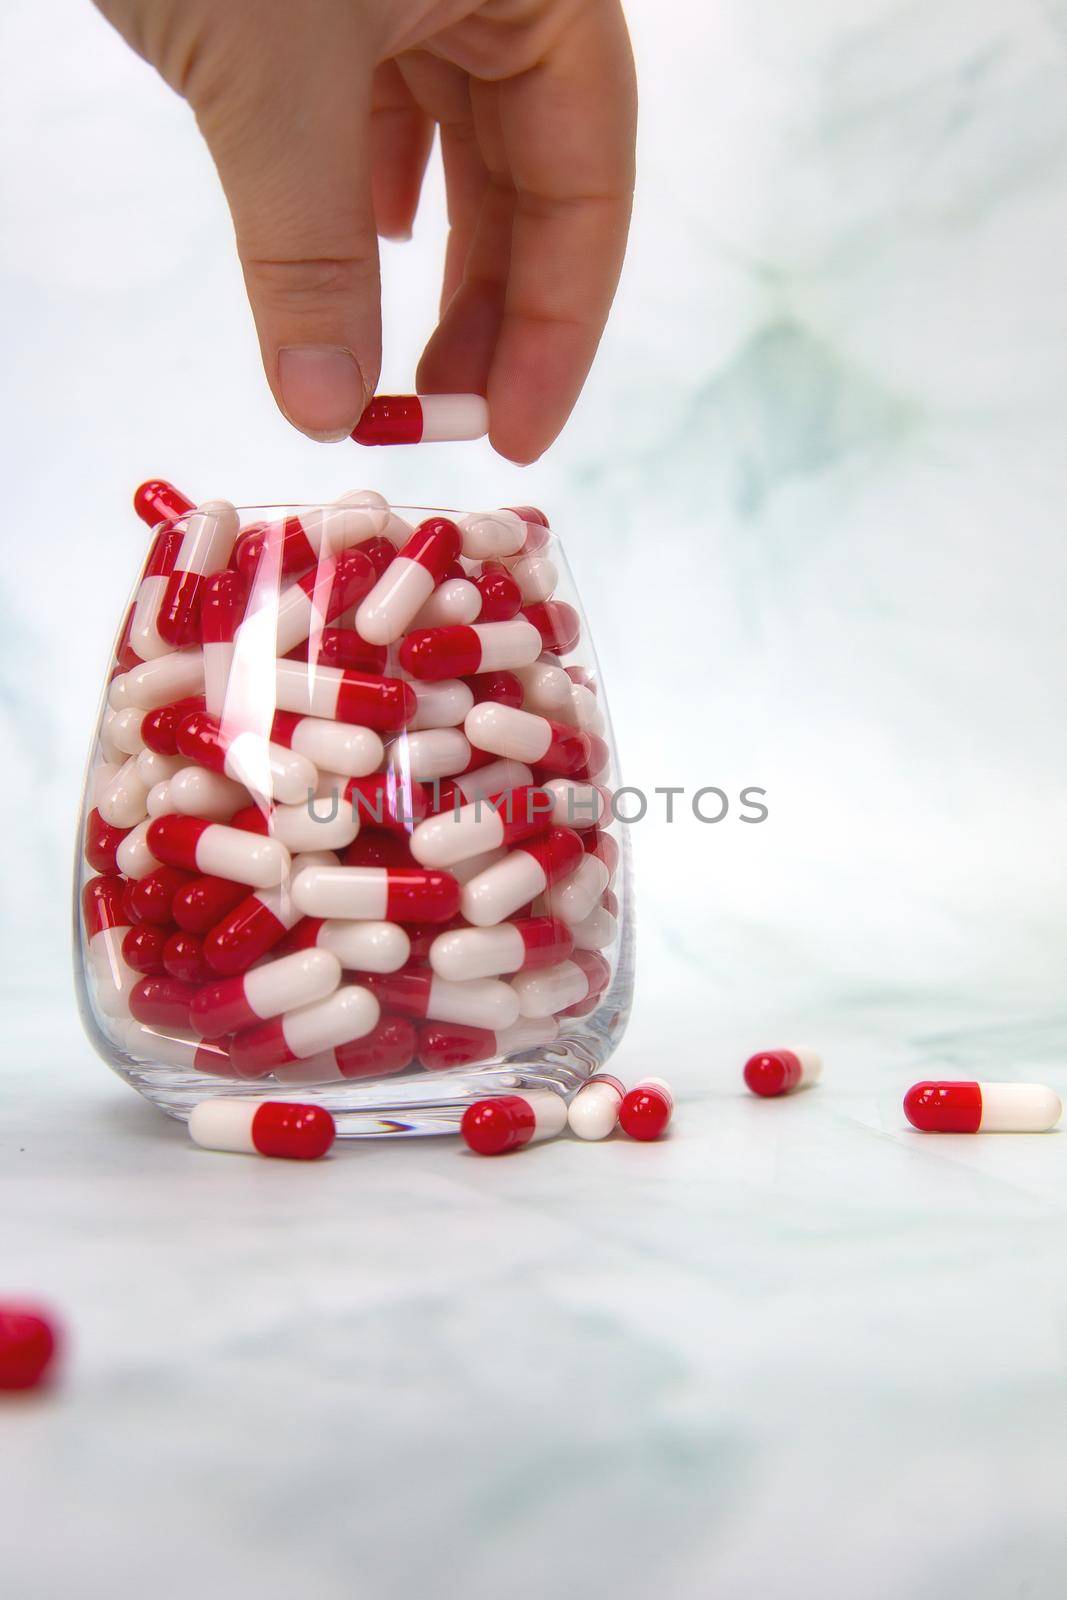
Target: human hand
320, 117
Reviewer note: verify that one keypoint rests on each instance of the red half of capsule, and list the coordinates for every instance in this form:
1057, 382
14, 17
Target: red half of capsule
142, 949
501, 595
28, 1344
557, 852
160, 726
242, 936
352, 579
163, 553
375, 847
505, 688
183, 957
250, 819
645, 1112
385, 800
944, 1107
420, 894
174, 838
407, 992
344, 648
523, 812
435, 545
156, 500
390, 419
431, 654
101, 843
178, 617
200, 904
385, 704
103, 905
454, 1044
772, 1072
199, 736
151, 898
597, 843
286, 541
389, 1048
493, 1127
379, 551
162, 1002
546, 941
557, 623
294, 1132
222, 606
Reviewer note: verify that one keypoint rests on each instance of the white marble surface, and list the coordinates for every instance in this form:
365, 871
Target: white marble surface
814, 495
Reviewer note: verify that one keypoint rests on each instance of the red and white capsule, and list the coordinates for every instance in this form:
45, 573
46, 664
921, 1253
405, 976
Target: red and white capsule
545, 992
378, 894
105, 921
246, 758
508, 1122
208, 536
967, 1107
646, 1111
282, 985
331, 692
349, 1013
339, 747
523, 874
159, 682
422, 419
524, 736
388, 1048
594, 1111
774, 1072
479, 1003
358, 946
197, 845
444, 1045
431, 653
262, 1127
408, 581
525, 945
503, 819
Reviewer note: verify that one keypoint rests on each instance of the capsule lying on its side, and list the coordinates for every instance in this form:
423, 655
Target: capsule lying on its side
964, 1107
262, 1127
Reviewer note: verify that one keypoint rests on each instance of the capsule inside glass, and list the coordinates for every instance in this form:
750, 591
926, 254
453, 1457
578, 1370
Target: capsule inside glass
347, 830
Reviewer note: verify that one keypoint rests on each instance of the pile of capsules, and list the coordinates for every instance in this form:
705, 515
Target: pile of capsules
337, 747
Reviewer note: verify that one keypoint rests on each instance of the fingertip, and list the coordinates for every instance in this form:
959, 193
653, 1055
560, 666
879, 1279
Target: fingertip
321, 390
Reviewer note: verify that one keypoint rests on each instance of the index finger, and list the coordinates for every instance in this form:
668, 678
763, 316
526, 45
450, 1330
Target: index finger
568, 127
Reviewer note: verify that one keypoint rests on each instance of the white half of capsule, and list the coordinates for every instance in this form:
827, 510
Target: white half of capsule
548, 990
465, 871
387, 524
480, 1003
291, 981
811, 1067
332, 891
224, 1124
196, 792
309, 691
440, 705
464, 953
451, 605
501, 889
594, 1111
596, 931
447, 417
209, 534
576, 896
507, 645
490, 536
145, 638
1015, 1107
133, 857
550, 1112
218, 663
365, 946
156, 683
396, 599
110, 750
494, 778
575, 805
124, 731
325, 822
536, 577
526, 1034
504, 731
157, 801
122, 802
458, 835
349, 1013
110, 976
250, 858
269, 770
552, 692
101, 776
341, 747
155, 768
433, 753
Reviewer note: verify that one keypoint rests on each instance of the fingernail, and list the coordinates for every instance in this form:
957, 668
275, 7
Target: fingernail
322, 389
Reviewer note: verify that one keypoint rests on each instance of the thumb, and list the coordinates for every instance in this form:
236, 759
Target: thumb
289, 134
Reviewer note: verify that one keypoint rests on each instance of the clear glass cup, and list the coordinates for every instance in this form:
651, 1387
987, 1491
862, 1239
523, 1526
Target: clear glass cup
257, 782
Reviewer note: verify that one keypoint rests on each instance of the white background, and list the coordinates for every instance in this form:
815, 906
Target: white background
814, 498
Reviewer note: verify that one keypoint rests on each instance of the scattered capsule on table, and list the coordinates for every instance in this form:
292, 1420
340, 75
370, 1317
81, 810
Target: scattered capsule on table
422, 419
594, 1111
965, 1107
29, 1342
262, 1127
494, 1126
646, 1110
774, 1072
